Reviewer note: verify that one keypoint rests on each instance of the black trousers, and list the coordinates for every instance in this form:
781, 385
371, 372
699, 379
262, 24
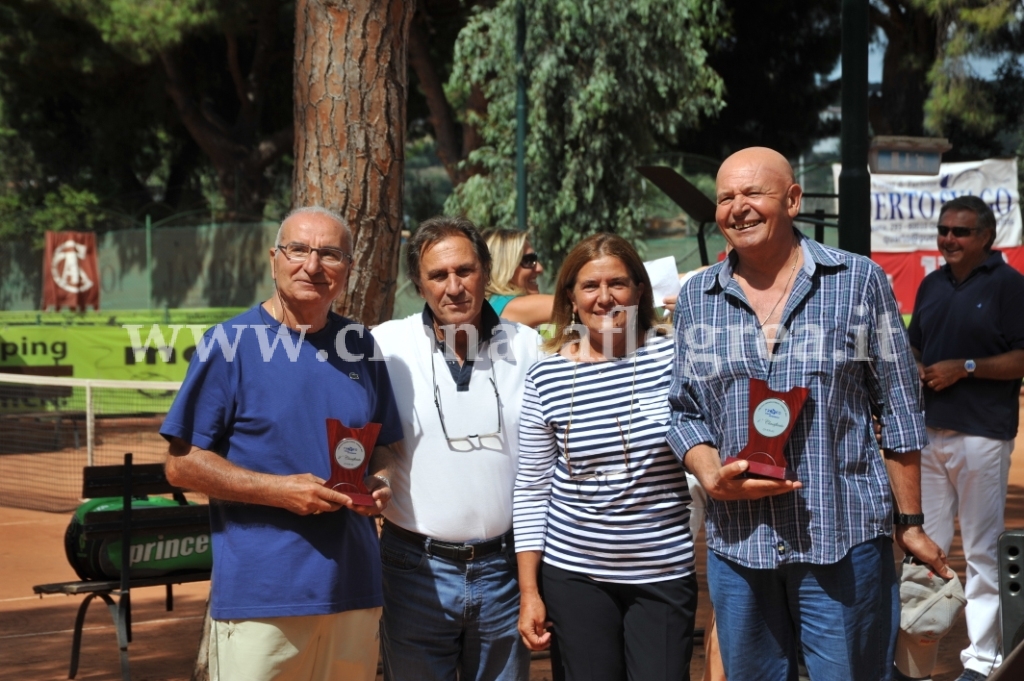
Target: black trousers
607, 631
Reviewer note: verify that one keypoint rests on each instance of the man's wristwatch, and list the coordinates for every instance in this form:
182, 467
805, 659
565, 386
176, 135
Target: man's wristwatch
969, 366
908, 518
387, 483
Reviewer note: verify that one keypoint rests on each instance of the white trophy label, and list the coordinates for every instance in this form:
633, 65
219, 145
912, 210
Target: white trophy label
349, 453
771, 417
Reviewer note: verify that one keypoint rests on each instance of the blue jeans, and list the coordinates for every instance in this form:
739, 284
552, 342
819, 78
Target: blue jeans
449, 619
844, 617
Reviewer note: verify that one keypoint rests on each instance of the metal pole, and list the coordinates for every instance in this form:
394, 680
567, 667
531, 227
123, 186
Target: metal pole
854, 180
520, 115
702, 245
90, 426
149, 263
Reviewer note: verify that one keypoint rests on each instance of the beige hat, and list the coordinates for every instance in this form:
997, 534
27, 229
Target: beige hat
929, 607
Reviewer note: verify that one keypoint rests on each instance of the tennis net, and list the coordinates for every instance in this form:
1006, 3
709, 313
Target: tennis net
51, 427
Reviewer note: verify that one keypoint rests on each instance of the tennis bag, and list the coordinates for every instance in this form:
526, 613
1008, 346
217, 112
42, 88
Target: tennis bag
152, 555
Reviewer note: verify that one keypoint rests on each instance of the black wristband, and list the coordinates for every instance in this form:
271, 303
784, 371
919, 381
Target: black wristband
908, 518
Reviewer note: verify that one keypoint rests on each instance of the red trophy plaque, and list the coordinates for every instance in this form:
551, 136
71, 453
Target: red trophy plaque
772, 415
350, 450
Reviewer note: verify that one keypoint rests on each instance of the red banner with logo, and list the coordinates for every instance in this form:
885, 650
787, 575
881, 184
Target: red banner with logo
71, 273
906, 270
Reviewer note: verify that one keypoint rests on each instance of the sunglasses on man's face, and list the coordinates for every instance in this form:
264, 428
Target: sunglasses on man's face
529, 261
958, 232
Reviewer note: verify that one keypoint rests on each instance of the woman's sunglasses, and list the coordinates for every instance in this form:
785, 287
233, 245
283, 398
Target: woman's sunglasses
958, 232
529, 261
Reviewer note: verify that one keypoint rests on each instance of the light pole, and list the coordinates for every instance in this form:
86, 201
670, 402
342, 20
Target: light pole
854, 180
520, 115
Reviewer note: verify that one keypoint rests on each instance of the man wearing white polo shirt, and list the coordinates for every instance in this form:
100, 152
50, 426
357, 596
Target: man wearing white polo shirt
451, 598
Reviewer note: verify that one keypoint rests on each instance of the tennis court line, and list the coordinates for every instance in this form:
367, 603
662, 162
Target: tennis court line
103, 628
20, 598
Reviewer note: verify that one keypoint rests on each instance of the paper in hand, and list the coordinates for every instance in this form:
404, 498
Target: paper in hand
664, 279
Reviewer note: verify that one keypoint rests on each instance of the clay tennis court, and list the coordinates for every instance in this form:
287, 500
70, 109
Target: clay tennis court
35, 634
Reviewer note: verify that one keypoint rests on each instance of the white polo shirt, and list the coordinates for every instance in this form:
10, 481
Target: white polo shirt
458, 490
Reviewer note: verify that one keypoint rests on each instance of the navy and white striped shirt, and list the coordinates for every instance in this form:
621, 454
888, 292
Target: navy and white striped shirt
631, 522
843, 339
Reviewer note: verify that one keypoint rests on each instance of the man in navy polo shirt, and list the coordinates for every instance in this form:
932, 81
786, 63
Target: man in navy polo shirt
967, 334
296, 589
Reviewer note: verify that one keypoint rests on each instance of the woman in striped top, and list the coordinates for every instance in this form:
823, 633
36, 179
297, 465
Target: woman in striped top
601, 520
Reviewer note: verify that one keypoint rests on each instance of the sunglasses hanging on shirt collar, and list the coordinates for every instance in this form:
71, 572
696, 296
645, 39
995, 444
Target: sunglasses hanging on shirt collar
440, 410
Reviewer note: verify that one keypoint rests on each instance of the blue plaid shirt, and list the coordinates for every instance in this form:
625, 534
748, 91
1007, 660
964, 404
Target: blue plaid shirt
843, 339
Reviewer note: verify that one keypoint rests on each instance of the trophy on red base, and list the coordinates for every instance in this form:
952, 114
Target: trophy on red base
350, 450
772, 415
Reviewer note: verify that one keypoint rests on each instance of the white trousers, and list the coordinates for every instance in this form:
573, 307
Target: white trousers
339, 647
966, 476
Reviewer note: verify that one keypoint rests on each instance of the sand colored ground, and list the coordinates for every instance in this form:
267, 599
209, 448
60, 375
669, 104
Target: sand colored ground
35, 634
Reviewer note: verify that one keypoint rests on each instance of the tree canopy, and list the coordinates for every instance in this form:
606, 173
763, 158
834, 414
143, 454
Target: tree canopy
928, 84
150, 106
606, 80
62, 126
113, 109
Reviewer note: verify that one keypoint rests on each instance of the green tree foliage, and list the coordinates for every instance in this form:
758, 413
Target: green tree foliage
150, 105
232, 102
141, 30
1003, 95
63, 209
65, 115
958, 97
928, 84
606, 80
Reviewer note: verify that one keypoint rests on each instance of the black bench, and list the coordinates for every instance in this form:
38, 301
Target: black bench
128, 481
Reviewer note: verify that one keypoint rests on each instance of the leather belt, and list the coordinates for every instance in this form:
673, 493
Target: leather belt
463, 552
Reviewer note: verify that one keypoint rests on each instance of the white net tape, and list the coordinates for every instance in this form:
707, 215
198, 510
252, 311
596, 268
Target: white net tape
50, 428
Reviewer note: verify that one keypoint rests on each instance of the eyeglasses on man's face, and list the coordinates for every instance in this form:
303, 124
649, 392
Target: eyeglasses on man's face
529, 261
329, 257
958, 232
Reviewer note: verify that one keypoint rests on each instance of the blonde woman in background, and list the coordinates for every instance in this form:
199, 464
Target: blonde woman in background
513, 291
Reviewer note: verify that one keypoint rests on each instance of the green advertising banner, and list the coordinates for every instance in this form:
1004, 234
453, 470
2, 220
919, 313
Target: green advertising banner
128, 345
132, 352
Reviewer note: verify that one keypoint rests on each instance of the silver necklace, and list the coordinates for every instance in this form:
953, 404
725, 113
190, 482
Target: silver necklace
785, 290
632, 389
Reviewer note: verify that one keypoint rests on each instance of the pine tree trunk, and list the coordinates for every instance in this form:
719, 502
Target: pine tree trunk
350, 99
912, 34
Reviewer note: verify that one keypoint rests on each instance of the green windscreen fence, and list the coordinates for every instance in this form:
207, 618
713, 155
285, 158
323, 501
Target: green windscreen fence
223, 265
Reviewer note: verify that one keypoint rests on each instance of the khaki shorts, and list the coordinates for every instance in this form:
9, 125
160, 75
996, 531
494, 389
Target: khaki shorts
308, 648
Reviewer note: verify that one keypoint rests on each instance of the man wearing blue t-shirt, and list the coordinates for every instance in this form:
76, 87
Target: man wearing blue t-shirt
296, 591
967, 334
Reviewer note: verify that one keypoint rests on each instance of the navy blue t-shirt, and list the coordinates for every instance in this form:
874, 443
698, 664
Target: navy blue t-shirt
263, 406
982, 316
